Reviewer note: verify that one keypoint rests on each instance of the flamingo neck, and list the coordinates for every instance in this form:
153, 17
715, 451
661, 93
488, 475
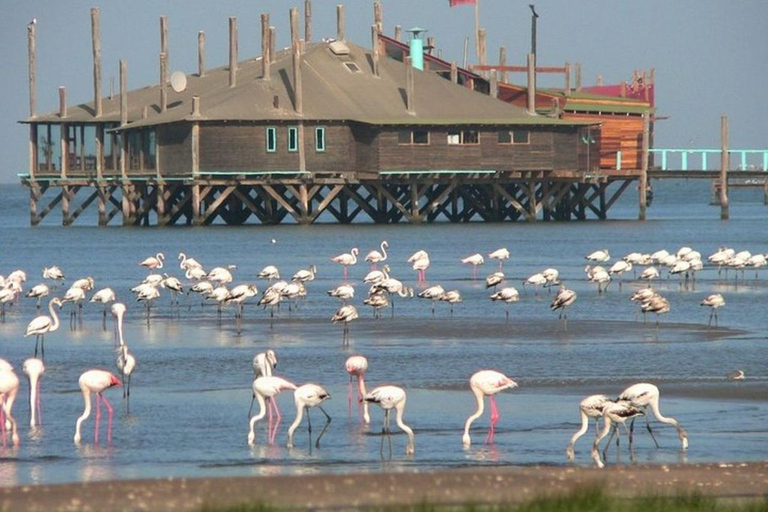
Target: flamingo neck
296, 422
384, 246
54, 316
255, 419
400, 409
479, 412
578, 434
120, 329
84, 416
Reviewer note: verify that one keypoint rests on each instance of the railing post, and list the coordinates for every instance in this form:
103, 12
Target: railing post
704, 160
663, 159
743, 160
684, 164
765, 160
618, 160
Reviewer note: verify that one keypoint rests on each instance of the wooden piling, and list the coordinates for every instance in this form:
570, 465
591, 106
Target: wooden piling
578, 76
298, 106
724, 165
503, 63
163, 82
409, 106
164, 36
232, 51
375, 49
643, 187
481, 35
431, 45
201, 53
62, 102
398, 35
494, 84
32, 58
377, 18
96, 43
123, 93
340, 23
454, 72
531, 84
265, 56
307, 21
272, 42
567, 78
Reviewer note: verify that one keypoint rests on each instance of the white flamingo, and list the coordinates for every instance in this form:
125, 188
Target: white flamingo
614, 413
305, 397
346, 259
96, 381
375, 257
42, 325
433, 293
714, 302
388, 398
344, 292
38, 292
267, 388
600, 256
420, 261
34, 369
269, 272
501, 255
644, 395
345, 314
9, 388
486, 383
590, 407
154, 262
356, 366
507, 295
474, 260
305, 275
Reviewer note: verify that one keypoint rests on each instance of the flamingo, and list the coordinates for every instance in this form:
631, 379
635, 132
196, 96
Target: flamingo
551, 275
38, 292
196, 274
96, 381
221, 275
54, 273
377, 301
8, 295
153, 262
599, 275
76, 296
377, 276
188, 263
737, 375
375, 256
346, 259
614, 413
34, 369
563, 299
305, 275
306, 396
486, 383
536, 280
269, 272
657, 304
345, 314
501, 255
343, 292
267, 388
270, 298
494, 280
713, 301
508, 295
356, 366
649, 274
264, 363
590, 407
474, 260
600, 256
420, 260
433, 293
43, 324
239, 294
646, 395
147, 295
86, 284
9, 388
619, 268
174, 285
393, 287
125, 362
451, 297
388, 398
104, 296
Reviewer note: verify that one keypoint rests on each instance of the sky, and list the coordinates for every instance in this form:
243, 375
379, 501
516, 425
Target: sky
710, 56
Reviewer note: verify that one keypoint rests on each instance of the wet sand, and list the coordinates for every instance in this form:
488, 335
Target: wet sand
455, 487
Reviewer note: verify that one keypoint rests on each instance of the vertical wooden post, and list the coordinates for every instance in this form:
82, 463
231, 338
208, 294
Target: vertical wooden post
377, 17
409, 86
265, 56
272, 42
201, 53
454, 72
123, 120
724, 165
163, 82
644, 165
62, 101
64, 151
296, 52
232, 51
375, 49
567, 78
164, 34
398, 35
503, 63
494, 84
578, 76
466, 53
481, 48
477, 30
304, 217
340, 22
307, 20
33, 152
96, 42
99, 151
197, 219
531, 84
32, 57
431, 45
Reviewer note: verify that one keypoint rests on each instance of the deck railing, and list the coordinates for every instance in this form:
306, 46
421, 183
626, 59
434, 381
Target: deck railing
698, 159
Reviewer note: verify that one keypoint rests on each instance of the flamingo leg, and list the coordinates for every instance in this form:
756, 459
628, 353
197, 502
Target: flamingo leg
327, 424
38, 406
269, 423
128, 397
110, 412
98, 419
494, 420
349, 395
2, 421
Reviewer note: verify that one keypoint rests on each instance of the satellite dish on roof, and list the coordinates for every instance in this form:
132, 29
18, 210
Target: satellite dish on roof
178, 81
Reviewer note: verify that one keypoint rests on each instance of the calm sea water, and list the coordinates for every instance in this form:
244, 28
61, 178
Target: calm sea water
191, 391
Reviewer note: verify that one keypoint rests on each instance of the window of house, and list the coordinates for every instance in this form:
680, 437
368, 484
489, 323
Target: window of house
320, 139
456, 137
514, 137
271, 139
418, 137
293, 139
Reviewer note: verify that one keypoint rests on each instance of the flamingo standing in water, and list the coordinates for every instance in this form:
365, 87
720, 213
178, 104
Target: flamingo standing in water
713, 301
388, 398
125, 363
508, 295
38, 292
590, 407
306, 396
501, 255
375, 256
153, 262
474, 260
433, 293
356, 366
264, 364
9, 388
346, 259
104, 296
563, 299
614, 413
34, 369
343, 292
420, 260
43, 324
96, 381
267, 388
345, 314
486, 383
646, 395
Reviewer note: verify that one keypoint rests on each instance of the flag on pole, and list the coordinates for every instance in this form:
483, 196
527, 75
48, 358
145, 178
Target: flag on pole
454, 3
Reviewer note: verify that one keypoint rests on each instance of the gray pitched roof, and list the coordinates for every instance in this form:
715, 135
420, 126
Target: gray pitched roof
331, 92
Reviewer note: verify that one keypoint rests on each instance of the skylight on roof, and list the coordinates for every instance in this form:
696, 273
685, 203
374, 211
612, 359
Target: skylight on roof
352, 67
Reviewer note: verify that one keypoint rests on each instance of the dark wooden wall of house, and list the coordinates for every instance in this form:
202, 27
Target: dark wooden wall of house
619, 133
175, 147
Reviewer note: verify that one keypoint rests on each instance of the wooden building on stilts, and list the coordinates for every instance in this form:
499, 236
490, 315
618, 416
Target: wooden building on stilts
324, 131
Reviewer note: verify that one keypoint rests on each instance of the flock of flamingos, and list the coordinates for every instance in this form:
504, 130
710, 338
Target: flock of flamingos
213, 285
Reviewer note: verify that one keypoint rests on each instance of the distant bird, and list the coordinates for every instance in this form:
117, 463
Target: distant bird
264, 363
474, 260
375, 257
34, 369
267, 388
172, 284
377, 301
737, 375
33, 22
486, 383
222, 275
305, 275
377, 276
420, 261
660, 255
494, 280
590, 407
126, 362
619, 268
345, 314
153, 262
598, 275
76, 296
600, 256
388, 398
147, 295
196, 273
86, 284
537, 280
562, 300
501, 255
188, 263
657, 304
9, 388
646, 395
433, 293
105, 296
38, 292
239, 294
43, 324
714, 302
649, 274
393, 287
346, 259
614, 413
305, 397
54, 273
451, 297
271, 298
356, 366
269, 272
344, 292
551, 275
508, 295
96, 381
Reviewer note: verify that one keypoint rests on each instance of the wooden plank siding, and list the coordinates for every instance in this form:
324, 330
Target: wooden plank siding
175, 146
619, 133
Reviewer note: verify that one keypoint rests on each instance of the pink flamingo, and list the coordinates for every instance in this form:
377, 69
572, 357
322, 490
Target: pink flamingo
420, 260
9, 388
346, 259
153, 262
306, 396
96, 381
356, 367
43, 324
267, 388
375, 256
34, 369
486, 383
388, 398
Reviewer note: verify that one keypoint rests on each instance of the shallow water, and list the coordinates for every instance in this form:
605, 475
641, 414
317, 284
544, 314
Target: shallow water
191, 391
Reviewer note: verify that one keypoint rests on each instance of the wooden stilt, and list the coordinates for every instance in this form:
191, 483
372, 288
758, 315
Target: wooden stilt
724, 165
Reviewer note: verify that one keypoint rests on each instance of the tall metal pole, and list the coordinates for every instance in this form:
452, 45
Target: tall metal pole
534, 17
724, 164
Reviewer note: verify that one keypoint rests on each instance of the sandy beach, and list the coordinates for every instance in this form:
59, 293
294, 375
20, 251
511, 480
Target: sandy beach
454, 487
